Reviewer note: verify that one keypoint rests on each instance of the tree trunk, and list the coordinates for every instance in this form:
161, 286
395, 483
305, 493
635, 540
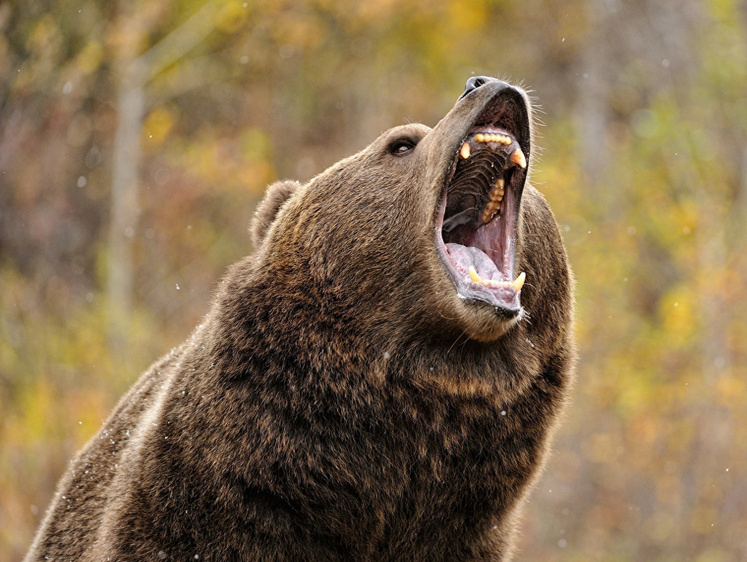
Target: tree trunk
135, 72
124, 206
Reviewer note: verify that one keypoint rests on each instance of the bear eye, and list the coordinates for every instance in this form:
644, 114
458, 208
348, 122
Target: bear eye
402, 147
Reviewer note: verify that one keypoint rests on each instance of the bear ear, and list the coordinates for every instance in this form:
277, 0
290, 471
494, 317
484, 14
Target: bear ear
276, 194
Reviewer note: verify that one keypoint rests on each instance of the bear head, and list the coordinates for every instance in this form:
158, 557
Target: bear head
426, 224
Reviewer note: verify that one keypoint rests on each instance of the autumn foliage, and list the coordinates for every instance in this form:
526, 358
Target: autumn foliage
136, 138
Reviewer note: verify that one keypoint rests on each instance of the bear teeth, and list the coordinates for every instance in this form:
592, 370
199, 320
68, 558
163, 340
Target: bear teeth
495, 198
505, 140
496, 194
491, 209
516, 284
518, 158
464, 152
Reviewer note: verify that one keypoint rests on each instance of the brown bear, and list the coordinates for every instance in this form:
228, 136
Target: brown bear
376, 381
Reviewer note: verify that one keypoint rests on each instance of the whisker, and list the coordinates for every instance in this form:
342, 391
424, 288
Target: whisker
464, 333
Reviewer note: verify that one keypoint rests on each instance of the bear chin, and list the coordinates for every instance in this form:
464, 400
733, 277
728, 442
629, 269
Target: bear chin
484, 323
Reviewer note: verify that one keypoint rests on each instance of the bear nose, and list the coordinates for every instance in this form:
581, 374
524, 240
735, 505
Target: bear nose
477, 81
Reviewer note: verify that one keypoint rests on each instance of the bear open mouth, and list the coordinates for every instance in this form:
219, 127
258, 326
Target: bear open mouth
477, 219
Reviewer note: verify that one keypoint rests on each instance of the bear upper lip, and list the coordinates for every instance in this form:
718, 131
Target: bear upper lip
478, 214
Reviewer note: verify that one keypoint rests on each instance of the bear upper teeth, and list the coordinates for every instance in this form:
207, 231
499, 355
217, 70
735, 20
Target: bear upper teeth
495, 198
505, 140
496, 194
517, 157
464, 151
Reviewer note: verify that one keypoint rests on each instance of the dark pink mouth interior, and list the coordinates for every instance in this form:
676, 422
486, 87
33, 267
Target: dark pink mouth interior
477, 241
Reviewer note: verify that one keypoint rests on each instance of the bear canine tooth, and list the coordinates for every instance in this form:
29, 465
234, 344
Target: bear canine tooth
474, 276
518, 158
464, 151
518, 283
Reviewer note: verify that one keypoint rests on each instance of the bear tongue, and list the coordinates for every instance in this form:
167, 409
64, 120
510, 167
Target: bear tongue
465, 256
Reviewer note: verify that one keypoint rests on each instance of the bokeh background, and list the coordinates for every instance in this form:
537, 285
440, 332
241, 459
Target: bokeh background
137, 136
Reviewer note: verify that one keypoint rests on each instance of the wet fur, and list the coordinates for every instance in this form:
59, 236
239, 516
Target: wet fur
336, 403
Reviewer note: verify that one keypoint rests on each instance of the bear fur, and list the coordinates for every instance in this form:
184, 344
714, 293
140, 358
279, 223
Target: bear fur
341, 399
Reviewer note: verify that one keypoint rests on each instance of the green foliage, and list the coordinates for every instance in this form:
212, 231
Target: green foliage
643, 162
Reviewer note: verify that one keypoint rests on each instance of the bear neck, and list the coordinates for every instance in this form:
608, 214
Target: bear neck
270, 320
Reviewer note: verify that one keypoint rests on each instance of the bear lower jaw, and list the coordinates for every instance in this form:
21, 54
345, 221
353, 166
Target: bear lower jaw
479, 280
482, 271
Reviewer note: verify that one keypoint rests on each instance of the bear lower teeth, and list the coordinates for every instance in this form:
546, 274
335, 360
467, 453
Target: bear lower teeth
516, 284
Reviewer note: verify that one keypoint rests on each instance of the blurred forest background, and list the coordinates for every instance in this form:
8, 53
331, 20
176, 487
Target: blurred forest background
136, 137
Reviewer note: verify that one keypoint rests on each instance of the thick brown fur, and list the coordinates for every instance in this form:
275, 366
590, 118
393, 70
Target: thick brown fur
339, 402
